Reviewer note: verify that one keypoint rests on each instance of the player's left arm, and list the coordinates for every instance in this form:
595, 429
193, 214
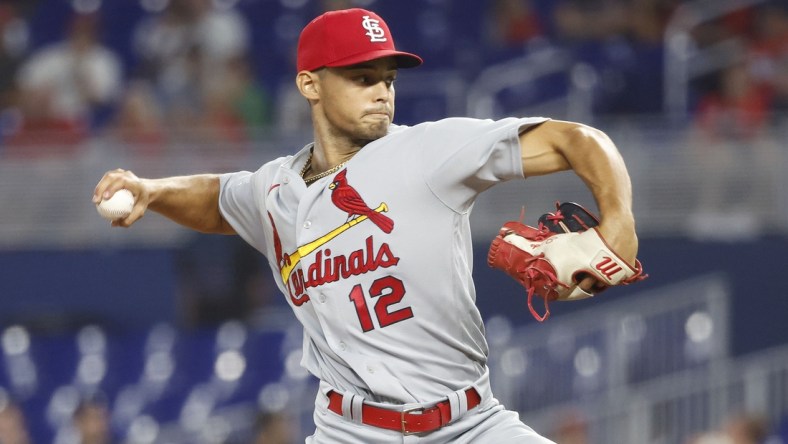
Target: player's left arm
556, 145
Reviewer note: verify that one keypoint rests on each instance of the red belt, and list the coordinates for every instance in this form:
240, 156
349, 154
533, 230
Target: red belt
409, 421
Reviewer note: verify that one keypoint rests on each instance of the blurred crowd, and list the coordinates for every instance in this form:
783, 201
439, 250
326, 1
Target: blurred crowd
742, 98
742, 428
195, 72
742, 80
91, 423
191, 71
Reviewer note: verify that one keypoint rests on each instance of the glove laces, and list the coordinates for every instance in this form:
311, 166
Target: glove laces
533, 276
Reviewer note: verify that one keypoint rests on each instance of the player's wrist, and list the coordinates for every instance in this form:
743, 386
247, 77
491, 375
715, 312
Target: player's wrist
619, 219
152, 191
622, 238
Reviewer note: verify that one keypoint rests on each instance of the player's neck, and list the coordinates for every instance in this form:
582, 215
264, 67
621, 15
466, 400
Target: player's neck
329, 151
323, 159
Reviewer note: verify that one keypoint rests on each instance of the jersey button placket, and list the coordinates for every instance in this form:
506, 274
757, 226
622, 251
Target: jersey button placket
307, 224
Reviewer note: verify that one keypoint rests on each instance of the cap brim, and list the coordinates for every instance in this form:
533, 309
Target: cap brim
403, 59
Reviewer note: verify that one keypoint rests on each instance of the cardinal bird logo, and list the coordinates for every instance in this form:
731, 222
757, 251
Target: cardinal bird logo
347, 199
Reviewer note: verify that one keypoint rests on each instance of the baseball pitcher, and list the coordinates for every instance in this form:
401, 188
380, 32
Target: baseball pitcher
366, 231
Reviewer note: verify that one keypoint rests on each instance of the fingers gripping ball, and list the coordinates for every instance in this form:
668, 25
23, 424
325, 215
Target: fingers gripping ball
550, 260
116, 207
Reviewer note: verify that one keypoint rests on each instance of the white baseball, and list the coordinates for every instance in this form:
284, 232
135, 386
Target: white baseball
116, 207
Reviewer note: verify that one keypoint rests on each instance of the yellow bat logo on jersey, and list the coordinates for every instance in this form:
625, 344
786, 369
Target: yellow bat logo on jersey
290, 261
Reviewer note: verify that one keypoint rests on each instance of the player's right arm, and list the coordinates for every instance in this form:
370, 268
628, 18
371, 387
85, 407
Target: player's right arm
192, 201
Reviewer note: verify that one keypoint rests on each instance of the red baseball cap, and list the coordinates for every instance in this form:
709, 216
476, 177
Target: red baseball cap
347, 37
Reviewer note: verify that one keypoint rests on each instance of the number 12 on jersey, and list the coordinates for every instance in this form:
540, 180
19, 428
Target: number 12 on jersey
388, 291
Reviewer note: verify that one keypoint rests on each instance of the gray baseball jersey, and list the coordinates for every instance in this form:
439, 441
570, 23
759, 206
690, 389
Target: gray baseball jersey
376, 259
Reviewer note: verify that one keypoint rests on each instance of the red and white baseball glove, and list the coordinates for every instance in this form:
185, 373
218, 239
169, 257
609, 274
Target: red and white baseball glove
550, 260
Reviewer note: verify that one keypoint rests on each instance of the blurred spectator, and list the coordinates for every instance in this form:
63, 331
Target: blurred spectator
709, 438
738, 109
91, 422
724, 36
572, 428
240, 109
292, 114
746, 429
333, 5
292, 110
66, 87
740, 429
139, 120
646, 19
729, 135
14, 36
187, 53
590, 19
13, 427
770, 51
631, 64
513, 23
737, 24
274, 428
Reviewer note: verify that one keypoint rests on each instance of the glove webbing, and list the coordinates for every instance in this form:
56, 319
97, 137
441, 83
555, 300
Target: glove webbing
532, 275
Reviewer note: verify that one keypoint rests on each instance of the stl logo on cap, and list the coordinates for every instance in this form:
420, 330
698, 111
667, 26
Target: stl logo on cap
335, 39
374, 31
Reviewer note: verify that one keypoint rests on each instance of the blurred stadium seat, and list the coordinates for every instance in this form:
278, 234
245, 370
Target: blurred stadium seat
159, 373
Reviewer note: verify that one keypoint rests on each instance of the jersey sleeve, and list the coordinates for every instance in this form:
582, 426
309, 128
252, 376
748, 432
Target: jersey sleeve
241, 205
463, 157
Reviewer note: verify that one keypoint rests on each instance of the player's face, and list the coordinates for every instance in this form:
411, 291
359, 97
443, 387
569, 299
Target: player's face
358, 100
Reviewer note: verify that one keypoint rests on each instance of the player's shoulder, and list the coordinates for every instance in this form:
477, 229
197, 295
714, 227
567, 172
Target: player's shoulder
277, 163
454, 131
270, 167
263, 175
466, 124
447, 124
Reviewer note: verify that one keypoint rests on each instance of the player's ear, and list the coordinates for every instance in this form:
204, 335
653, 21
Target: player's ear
308, 84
